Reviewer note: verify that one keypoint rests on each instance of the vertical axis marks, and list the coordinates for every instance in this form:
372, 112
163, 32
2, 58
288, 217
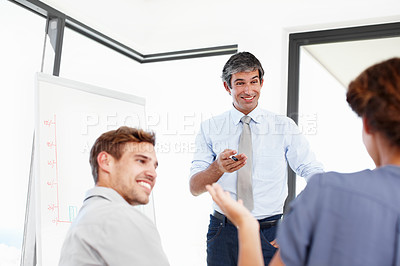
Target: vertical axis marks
57, 173
55, 149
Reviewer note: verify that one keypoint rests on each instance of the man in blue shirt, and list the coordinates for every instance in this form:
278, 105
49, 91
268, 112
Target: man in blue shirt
276, 141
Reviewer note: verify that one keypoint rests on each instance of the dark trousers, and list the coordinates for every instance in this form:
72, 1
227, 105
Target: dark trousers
222, 242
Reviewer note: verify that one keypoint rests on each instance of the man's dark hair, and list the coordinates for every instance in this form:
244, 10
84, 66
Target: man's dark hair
241, 62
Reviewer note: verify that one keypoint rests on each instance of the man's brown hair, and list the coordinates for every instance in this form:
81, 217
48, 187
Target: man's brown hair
114, 141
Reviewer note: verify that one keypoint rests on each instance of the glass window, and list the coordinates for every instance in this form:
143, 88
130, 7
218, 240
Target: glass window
327, 121
22, 34
90, 62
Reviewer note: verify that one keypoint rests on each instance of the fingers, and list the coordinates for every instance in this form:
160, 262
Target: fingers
227, 164
227, 153
218, 194
274, 243
234, 210
211, 190
220, 197
240, 201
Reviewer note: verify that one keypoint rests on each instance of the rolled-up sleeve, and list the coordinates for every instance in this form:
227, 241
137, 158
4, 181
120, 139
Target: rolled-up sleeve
299, 154
204, 155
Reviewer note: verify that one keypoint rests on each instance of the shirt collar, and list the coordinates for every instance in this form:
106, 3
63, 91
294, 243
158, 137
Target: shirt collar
255, 115
105, 192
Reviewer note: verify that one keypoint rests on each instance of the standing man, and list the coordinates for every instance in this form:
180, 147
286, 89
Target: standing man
261, 143
108, 229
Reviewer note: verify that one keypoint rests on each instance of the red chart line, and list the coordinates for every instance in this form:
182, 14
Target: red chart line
55, 140
63, 221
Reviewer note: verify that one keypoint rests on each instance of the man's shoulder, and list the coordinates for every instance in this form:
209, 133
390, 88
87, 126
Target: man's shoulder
217, 121
119, 227
272, 116
106, 219
219, 116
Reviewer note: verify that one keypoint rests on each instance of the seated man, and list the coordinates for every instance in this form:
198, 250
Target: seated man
108, 229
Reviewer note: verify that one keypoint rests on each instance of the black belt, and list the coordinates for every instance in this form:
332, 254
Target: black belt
264, 224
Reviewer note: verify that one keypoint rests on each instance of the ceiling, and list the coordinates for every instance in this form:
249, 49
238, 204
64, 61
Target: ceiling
156, 26
160, 26
345, 60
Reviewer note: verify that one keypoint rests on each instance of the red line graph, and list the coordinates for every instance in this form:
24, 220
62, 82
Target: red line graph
54, 164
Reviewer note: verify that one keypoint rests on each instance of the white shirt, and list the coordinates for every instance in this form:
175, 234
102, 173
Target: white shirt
109, 231
276, 140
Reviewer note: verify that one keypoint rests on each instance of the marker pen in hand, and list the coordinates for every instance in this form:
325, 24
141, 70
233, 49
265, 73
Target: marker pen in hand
234, 158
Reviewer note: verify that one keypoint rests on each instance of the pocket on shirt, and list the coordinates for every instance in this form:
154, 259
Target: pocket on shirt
270, 164
272, 153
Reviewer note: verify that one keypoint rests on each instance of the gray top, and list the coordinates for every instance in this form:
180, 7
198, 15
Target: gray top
345, 219
109, 231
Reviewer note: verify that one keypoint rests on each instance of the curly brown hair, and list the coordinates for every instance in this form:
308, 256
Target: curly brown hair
375, 95
113, 143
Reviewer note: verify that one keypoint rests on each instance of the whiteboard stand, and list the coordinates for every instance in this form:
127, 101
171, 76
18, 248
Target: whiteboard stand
50, 64
28, 253
69, 117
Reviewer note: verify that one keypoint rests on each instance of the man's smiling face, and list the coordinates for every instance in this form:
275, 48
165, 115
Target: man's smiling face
245, 90
134, 174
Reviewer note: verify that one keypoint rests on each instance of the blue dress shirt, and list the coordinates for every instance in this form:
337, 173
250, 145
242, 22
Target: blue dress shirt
276, 141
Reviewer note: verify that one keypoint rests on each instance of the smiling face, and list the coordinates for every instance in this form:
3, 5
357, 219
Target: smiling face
133, 176
245, 90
